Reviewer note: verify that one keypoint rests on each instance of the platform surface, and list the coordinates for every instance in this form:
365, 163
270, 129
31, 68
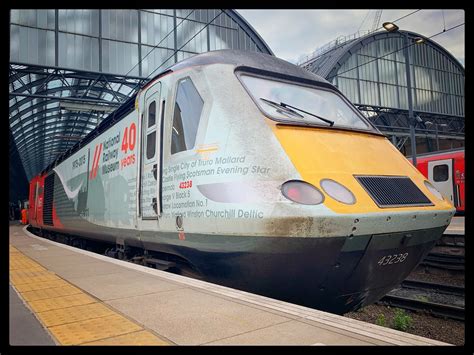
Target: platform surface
24, 328
82, 298
456, 226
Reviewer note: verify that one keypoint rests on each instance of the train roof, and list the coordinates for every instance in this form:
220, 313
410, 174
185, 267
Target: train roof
255, 60
249, 61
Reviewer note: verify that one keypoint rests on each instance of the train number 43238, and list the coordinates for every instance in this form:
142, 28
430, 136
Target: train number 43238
392, 259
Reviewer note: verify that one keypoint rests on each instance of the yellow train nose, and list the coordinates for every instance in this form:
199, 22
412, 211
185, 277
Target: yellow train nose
321, 154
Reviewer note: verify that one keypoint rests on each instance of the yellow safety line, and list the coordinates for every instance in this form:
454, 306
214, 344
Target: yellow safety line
72, 316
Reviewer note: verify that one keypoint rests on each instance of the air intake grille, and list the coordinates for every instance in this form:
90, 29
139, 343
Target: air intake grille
393, 191
48, 200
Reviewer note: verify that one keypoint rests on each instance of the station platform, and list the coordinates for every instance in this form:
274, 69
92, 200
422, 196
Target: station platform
456, 227
82, 298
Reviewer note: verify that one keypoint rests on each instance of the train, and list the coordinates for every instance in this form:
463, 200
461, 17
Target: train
446, 171
245, 170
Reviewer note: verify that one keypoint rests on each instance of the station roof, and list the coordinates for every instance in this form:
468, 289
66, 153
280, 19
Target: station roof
327, 64
51, 108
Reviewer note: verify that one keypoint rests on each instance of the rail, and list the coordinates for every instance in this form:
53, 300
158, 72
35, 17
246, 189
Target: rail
451, 240
444, 261
441, 288
437, 309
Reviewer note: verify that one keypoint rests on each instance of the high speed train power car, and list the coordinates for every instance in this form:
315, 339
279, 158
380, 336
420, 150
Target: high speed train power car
245, 170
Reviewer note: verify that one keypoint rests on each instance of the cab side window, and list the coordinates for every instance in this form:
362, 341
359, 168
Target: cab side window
151, 132
186, 117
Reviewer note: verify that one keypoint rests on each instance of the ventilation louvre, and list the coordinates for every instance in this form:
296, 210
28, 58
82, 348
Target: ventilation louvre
48, 200
393, 191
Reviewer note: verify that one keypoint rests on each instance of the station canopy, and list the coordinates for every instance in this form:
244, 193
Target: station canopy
370, 69
69, 69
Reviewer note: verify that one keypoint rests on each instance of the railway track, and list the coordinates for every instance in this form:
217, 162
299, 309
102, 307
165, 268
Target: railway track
451, 240
448, 254
444, 261
436, 309
440, 288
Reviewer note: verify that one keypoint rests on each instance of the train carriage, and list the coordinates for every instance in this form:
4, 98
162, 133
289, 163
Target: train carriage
245, 170
446, 171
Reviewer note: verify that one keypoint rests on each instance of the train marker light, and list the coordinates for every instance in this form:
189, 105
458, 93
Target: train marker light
302, 192
338, 191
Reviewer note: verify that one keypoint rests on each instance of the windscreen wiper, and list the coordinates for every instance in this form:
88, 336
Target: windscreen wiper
289, 107
280, 106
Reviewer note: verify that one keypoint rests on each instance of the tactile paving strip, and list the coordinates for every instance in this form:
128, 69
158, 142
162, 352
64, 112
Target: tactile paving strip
142, 337
24, 277
93, 329
52, 292
25, 265
60, 302
72, 316
40, 285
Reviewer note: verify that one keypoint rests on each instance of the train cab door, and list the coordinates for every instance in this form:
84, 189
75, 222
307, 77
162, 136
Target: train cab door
150, 154
440, 173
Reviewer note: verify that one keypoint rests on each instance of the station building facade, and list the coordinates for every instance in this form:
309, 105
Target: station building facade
70, 68
371, 71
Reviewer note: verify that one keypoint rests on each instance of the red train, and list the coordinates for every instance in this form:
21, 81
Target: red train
445, 169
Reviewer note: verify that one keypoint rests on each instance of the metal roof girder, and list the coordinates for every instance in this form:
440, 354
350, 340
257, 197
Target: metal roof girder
59, 98
26, 120
48, 128
37, 155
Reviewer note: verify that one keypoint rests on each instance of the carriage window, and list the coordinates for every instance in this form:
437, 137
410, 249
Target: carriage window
187, 113
151, 134
440, 173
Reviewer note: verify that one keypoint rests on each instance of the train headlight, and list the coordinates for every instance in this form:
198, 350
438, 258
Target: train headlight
338, 192
433, 190
302, 192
